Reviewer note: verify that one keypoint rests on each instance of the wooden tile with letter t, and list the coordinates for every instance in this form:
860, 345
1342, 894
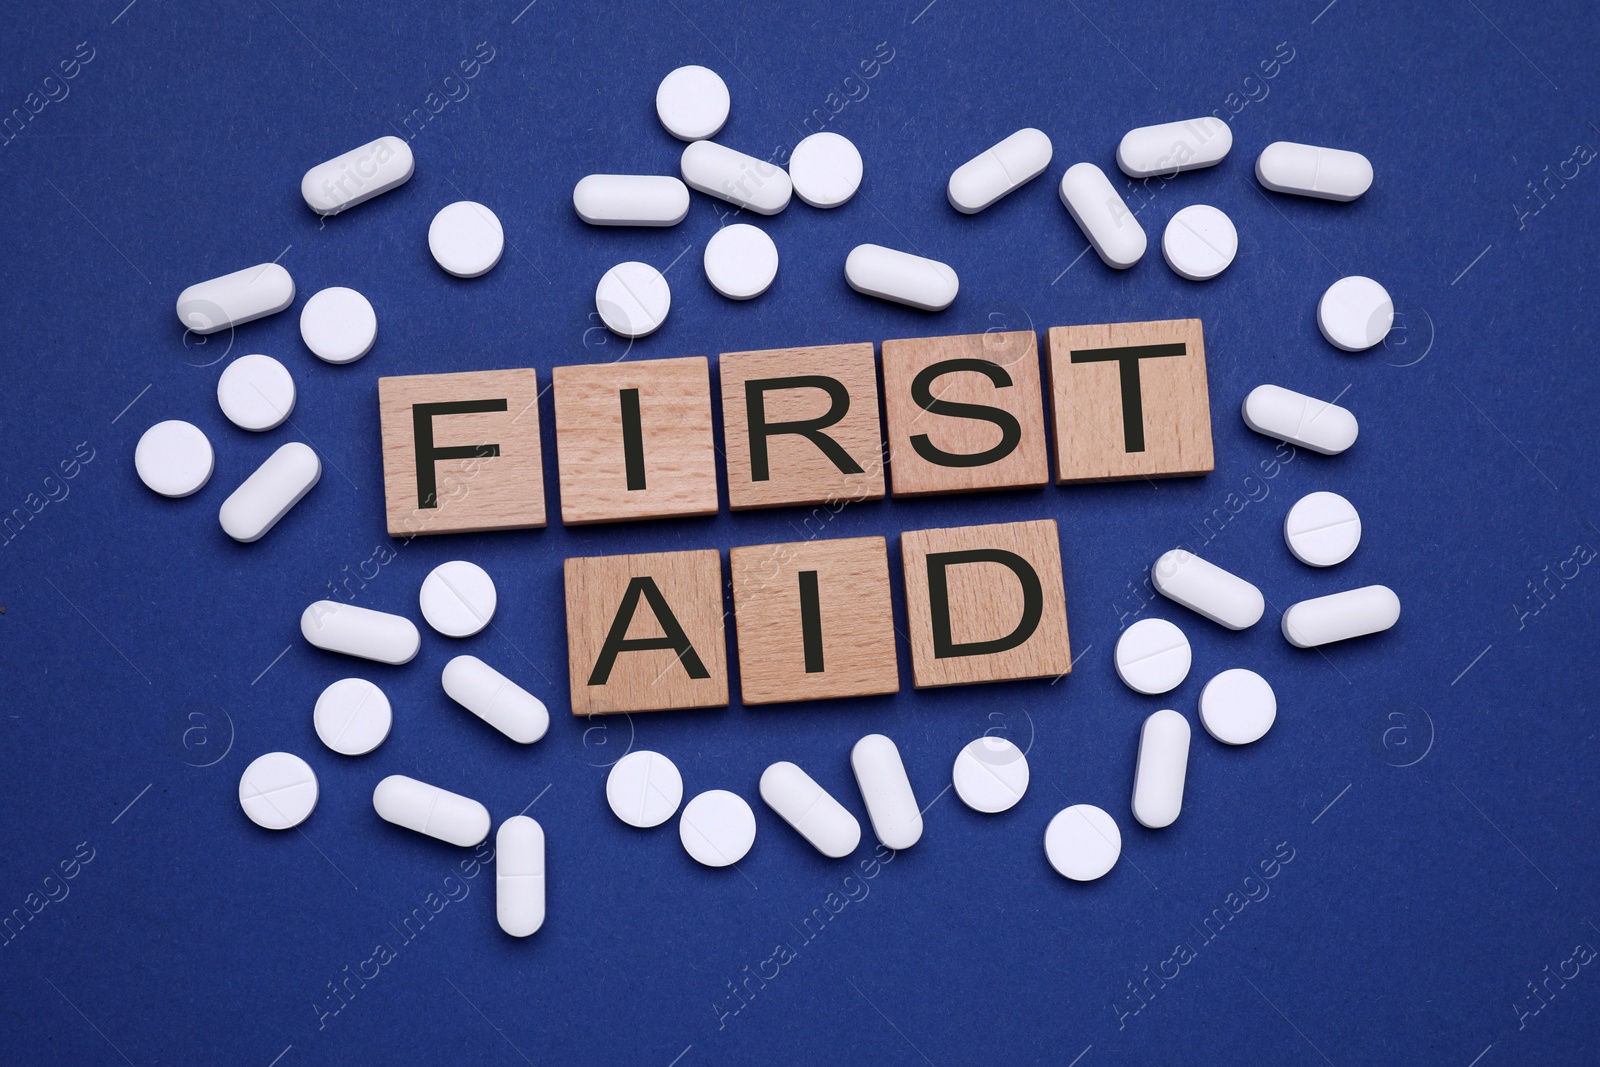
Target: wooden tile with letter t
461, 452
814, 620
985, 603
644, 632
633, 440
1130, 400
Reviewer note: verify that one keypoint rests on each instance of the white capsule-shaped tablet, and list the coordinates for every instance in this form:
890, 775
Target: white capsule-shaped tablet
1163, 764
1000, 170
278, 791
810, 809
630, 200
174, 458
1341, 616
644, 788
1199, 242
990, 775
268, 494
1171, 147
1299, 419
1238, 707
719, 171
235, 299
1322, 529
887, 274
362, 632
717, 828
357, 176
1355, 313
1306, 170
495, 699
519, 876
1082, 842
427, 809
886, 791
1153, 656
1105, 220
352, 717
1205, 588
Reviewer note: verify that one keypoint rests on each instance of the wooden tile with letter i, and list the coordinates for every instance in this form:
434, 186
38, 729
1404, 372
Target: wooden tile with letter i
1130, 400
814, 620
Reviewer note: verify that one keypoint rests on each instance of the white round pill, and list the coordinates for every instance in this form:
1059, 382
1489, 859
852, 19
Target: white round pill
644, 789
174, 458
1322, 529
1355, 313
692, 103
1199, 242
741, 261
466, 239
1153, 656
278, 790
717, 828
458, 598
990, 774
633, 299
256, 393
825, 169
352, 716
1082, 842
1238, 707
338, 325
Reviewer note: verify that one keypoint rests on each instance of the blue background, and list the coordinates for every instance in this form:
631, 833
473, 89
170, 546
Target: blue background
1434, 787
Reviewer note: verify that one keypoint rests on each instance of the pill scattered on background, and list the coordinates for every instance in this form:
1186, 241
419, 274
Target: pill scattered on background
356, 176
1205, 588
352, 717
1306, 170
1322, 529
990, 775
1355, 313
1153, 656
1082, 842
1171, 147
692, 103
235, 299
256, 393
633, 299
1238, 707
278, 791
1105, 220
999, 170
466, 239
1341, 616
1299, 419
267, 495
730, 175
495, 699
519, 876
887, 274
1162, 767
810, 809
717, 828
886, 791
174, 458
338, 325
1199, 243
825, 169
741, 261
458, 598
630, 200
644, 788
361, 632
427, 809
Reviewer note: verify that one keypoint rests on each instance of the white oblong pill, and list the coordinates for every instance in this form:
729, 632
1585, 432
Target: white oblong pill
338, 325
630, 200
1299, 419
361, 632
1171, 147
356, 176
268, 494
1000, 170
990, 775
427, 809
644, 789
458, 598
825, 169
1322, 529
1306, 170
633, 299
887, 274
722, 172
886, 791
1205, 588
256, 393
1153, 656
1163, 764
495, 699
1199, 243
352, 717
1238, 707
466, 239
278, 791
1341, 616
174, 458
741, 261
1105, 220
519, 876
1082, 842
717, 828
692, 102
810, 809
235, 299
1355, 313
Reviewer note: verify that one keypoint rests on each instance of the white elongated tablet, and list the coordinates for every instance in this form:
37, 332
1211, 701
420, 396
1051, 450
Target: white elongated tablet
1153, 656
885, 789
352, 717
174, 458
1105, 220
458, 598
1306, 170
1171, 147
825, 169
427, 809
338, 325
466, 239
1322, 529
741, 261
519, 876
268, 494
887, 274
1238, 707
810, 809
1163, 764
633, 299
630, 200
1299, 419
990, 775
1082, 842
722, 172
644, 789
235, 299
278, 791
1355, 313
717, 828
1000, 170
1341, 616
692, 103
1199, 243
256, 393
362, 632
356, 176
1224, 598
495, 699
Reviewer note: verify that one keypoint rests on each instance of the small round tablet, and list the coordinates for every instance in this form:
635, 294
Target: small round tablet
1238, 707
1199, 242
741, 261
717, 828
1322, 529
1153, 656
1082, 842
633, 299
352, 716
1355, 313
825, 169
338, 325
990, 774
174, 458
278, 790
256, 393
466, 239
644, 789
692, 103
458, 598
